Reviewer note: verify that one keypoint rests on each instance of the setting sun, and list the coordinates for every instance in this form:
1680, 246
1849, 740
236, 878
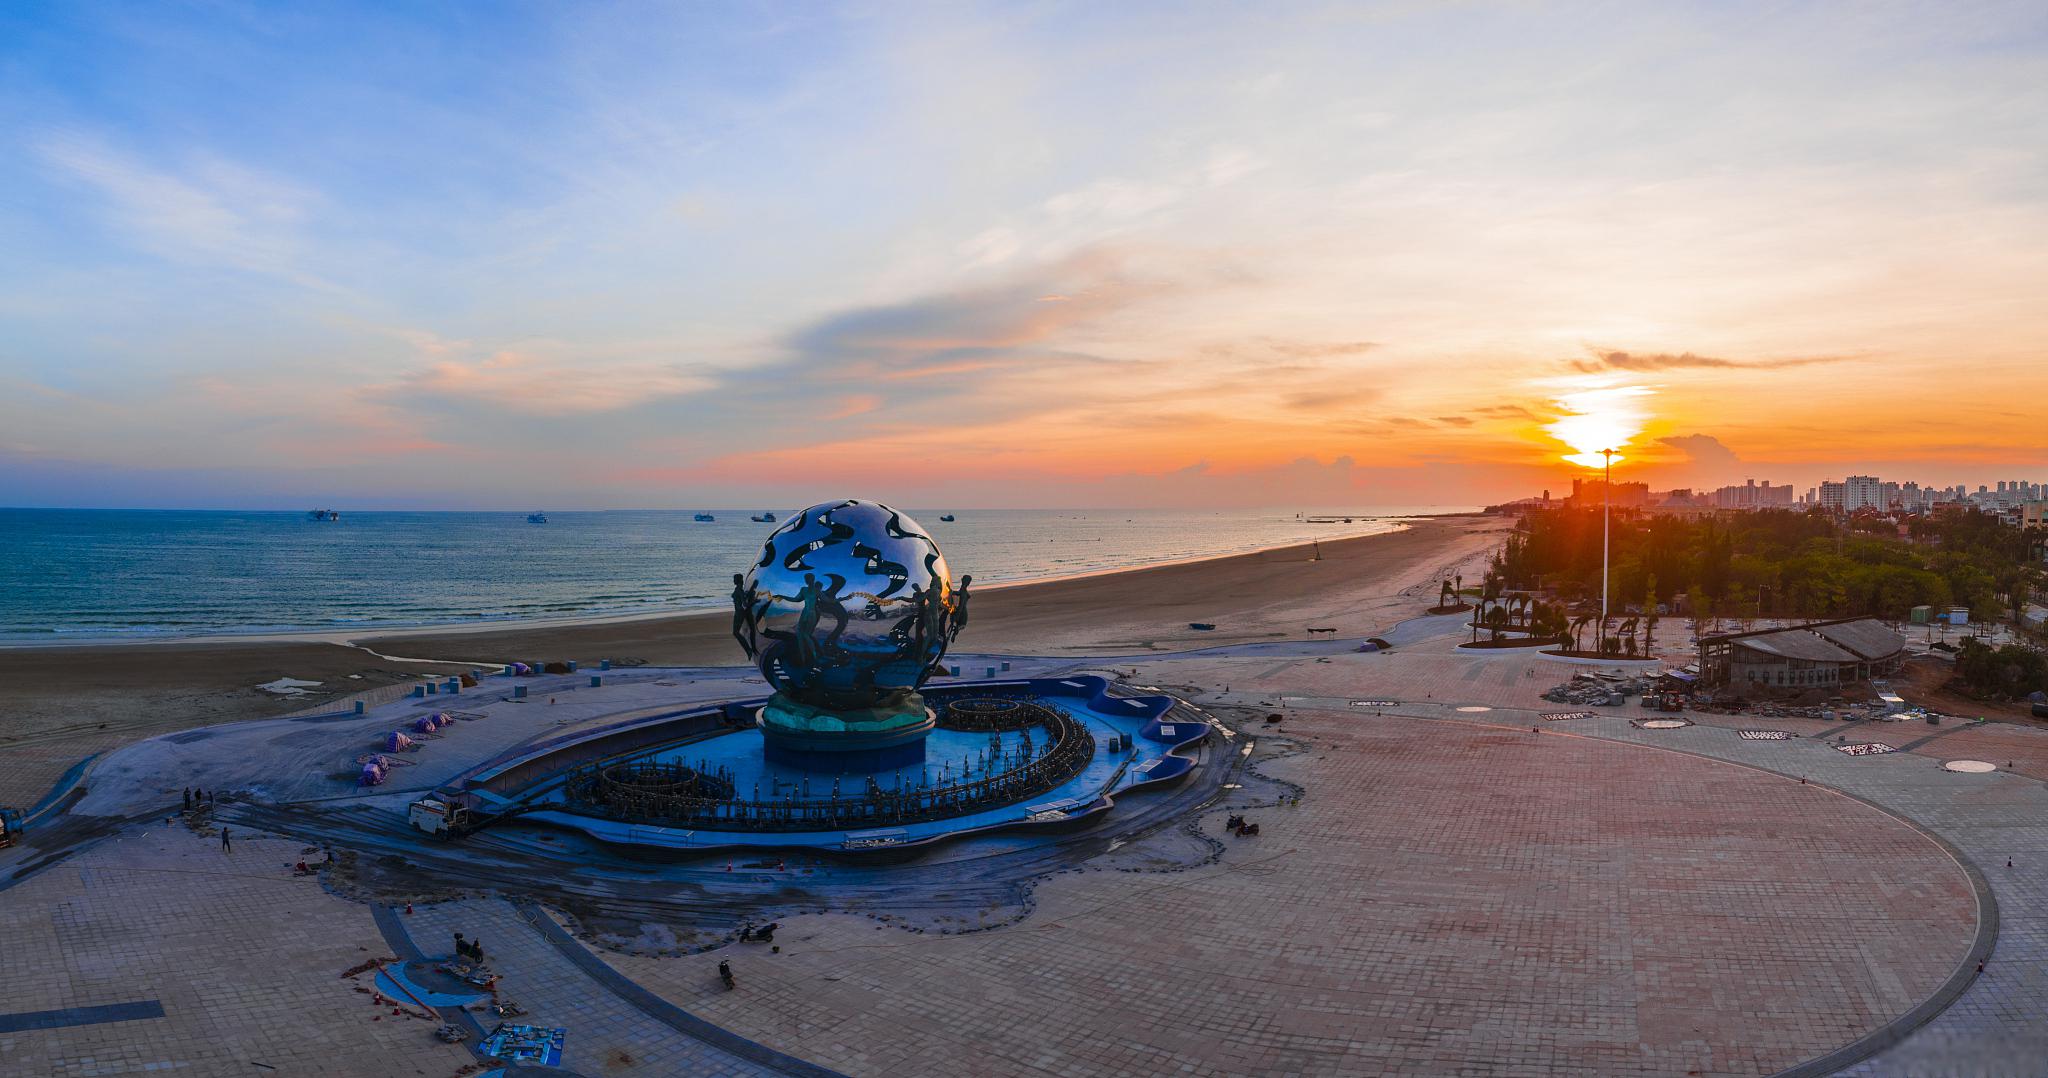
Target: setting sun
1598, 415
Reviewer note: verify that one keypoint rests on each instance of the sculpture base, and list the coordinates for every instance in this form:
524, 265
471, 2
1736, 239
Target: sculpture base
887, 736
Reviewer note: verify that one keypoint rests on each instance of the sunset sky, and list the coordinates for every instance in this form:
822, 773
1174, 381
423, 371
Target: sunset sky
569, 255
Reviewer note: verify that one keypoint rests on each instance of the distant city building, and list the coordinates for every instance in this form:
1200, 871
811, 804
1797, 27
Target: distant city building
1753, 495
1590, 493
2013, 501
1832, 496
1862, 492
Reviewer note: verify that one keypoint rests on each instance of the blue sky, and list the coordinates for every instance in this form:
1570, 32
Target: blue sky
592, 255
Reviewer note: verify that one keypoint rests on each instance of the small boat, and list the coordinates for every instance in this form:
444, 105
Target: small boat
760, 518
536, 518
324, 514
948, 518
704, 518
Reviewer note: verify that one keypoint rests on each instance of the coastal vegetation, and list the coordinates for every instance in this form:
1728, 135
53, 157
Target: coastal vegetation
2011, 672
1779, 563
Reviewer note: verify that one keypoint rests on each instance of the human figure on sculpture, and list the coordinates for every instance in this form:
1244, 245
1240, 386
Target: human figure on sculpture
830, 606
960, 608
742, 610
803, 640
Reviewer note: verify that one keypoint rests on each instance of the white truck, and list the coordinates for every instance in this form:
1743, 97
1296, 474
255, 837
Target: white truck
440, 816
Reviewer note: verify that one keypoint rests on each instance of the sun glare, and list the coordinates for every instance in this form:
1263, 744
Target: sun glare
1598, 414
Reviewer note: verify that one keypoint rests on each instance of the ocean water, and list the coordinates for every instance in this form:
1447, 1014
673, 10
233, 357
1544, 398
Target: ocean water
82, 574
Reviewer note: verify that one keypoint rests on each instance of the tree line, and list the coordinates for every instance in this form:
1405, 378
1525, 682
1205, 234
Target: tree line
1779, 563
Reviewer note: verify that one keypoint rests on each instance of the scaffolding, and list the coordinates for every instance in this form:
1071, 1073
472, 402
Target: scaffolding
671, 793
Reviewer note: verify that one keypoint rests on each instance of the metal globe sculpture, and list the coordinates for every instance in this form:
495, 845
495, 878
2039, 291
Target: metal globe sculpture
846, 613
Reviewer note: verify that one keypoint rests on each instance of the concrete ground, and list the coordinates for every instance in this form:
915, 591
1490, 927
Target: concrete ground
1455, 892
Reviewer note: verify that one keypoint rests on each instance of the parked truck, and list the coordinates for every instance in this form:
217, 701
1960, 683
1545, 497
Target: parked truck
441, 815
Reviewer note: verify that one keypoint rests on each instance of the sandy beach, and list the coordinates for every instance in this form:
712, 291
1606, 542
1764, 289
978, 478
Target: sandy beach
59, 704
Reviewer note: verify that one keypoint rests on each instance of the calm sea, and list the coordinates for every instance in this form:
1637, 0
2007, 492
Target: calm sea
119, 573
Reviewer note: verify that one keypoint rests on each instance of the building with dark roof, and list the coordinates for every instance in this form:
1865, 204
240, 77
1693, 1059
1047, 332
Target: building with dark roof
1815, 655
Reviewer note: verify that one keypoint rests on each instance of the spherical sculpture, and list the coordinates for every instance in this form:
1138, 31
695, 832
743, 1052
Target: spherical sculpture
847, 611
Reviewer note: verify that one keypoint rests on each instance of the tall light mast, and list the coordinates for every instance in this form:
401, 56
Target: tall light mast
1606, 514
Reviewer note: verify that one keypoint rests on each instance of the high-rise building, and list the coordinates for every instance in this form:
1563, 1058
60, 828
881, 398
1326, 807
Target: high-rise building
1753, 495
1591, 492
1862, 492
1833, 496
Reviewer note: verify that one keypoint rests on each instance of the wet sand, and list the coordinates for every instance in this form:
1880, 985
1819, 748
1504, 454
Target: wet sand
59, 704
1266, 595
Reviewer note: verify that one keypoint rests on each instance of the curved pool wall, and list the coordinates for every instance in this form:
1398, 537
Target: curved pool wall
528, 780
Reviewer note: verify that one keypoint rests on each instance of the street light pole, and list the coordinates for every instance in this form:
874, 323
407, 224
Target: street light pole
1606, 513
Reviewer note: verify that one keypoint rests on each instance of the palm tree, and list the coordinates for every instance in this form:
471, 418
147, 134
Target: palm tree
1497, 619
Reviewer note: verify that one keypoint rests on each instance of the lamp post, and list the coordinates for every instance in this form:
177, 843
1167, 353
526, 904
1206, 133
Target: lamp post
1606, 513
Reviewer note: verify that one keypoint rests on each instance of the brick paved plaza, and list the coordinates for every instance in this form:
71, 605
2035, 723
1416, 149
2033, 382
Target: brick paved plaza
1453, 894
1446, 898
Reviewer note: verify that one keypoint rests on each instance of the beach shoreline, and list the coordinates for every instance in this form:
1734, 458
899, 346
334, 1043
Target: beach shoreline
447, 583
59, 703
353, 634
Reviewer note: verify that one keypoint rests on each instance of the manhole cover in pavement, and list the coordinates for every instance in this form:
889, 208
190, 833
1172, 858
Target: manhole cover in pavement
1970, 767
1474, 708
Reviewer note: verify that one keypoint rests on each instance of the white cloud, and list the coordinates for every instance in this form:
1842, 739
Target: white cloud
212, 212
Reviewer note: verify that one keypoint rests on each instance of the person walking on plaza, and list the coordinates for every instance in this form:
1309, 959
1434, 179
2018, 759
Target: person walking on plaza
226, 843
188, 799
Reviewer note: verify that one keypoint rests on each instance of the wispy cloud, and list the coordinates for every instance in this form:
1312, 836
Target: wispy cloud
207, 210
536, 385
1643, 362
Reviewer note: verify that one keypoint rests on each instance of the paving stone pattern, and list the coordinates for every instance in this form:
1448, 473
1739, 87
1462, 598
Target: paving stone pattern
245, 959
607, 1036
1446, 901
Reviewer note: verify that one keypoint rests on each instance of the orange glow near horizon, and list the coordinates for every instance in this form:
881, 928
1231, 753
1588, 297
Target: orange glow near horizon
1598, 414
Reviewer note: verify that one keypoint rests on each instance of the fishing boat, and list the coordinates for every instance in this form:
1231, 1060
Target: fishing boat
948, 518
536, 518
763, 518
323, 514
704, 518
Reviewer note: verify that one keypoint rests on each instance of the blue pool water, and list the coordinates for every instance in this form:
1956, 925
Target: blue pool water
1148, 738
122, 573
